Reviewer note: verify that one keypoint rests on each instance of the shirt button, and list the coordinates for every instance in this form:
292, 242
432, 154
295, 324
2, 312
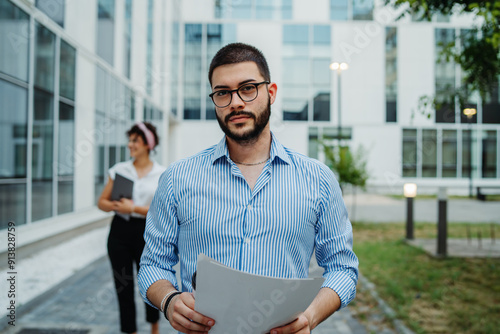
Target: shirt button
247, 240
249, 206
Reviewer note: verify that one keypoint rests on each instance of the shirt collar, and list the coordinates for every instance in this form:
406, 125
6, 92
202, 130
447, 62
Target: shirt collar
277, 150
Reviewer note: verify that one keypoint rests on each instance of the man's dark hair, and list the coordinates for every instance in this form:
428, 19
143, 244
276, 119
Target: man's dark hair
237, 53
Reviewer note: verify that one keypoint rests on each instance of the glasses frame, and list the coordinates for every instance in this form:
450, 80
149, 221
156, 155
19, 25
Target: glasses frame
237, 90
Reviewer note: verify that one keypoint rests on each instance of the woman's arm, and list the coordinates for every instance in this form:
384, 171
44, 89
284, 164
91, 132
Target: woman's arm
105, 203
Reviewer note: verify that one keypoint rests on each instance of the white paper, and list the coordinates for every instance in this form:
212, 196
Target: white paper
242, 303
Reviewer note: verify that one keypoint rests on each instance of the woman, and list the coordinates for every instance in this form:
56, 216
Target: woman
126, 242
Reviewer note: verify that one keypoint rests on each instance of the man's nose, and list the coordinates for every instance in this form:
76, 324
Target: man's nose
236, 101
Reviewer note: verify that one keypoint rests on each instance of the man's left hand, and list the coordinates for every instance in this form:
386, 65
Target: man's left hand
301, 325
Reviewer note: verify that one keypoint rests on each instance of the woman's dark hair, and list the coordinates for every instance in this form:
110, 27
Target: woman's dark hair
136, 130
237, 53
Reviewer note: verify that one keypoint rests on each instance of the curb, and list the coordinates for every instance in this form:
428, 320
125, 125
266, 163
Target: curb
386, 309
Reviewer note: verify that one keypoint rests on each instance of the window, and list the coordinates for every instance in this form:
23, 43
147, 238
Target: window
391, 74
429, 153
469, 153
343, 10
306, 74
192, 71
13, 131
67, 71
14, 38
127, 45
149, 50
449, 152
409, 153
53, 9
174, 68
197, 103
491, 105
114, 106
339, 10
105, 32
489, 155
254, 9
445, 78
43, 124
362, 10
66, 157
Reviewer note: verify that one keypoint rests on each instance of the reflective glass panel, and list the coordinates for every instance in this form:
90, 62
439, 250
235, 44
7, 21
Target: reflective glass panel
105, 30
339, 10
14, 41
409, 153
42, 155
449, 152
53, 9
13, 145
67, 158
429, 153
44, 58
490, 152
362, 10
67, 71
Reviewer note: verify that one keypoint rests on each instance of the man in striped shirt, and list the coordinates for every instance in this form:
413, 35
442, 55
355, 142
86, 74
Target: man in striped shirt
249, 203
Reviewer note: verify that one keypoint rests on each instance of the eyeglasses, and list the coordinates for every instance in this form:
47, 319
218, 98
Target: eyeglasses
247, 93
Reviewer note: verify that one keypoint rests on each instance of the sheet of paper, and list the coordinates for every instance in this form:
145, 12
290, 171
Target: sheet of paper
242, 303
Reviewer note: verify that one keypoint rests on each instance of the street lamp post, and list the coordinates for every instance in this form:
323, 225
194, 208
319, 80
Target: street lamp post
339, 67
470, 112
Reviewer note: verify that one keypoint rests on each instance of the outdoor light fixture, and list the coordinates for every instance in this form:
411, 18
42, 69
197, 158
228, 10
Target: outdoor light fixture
339, 66
470, 112
410, 192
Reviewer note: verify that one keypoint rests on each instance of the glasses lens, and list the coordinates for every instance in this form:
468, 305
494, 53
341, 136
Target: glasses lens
222, 98
247, 92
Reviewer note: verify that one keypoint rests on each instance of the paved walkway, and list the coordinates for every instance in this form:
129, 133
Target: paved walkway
86, 303
377, 208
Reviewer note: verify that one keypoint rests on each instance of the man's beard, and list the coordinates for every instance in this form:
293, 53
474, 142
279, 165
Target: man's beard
251, 135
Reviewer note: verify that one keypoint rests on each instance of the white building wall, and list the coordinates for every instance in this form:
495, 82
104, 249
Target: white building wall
311, 10
416, 63
362, 46
81, 21
85, 133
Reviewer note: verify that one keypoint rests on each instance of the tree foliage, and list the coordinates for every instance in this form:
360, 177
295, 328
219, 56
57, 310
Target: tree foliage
350, 167
479, 55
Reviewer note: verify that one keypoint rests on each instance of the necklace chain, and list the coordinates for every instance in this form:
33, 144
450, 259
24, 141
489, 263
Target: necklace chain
250, 164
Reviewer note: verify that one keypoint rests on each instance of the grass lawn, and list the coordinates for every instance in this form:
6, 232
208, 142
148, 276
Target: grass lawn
431, 295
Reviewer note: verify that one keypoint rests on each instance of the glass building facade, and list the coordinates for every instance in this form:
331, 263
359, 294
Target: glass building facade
67, 96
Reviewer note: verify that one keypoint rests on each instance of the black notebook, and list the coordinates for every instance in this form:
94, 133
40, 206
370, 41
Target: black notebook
122, 187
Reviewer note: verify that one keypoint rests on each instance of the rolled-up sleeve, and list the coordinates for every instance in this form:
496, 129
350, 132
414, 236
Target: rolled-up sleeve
334, 240
161, 234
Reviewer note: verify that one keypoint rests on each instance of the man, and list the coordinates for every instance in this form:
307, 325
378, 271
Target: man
249, 203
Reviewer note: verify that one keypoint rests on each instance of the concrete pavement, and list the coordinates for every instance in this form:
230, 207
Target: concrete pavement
86, 304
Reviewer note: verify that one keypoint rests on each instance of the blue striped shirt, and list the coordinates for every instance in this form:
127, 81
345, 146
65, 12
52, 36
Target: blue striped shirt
203, 204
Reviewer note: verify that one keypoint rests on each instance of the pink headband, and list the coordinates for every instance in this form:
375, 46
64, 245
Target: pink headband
150, 138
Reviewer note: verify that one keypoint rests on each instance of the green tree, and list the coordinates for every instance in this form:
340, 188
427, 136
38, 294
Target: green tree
479, 56
350, 167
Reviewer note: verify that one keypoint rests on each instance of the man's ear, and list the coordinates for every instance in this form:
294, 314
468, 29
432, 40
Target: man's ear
273, 90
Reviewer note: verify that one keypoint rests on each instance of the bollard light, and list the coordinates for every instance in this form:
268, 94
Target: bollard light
442, 222
410, 192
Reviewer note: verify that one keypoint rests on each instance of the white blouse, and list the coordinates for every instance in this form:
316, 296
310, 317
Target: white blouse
144, 187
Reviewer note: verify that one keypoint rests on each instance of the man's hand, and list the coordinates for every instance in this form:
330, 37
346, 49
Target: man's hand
184, 318
300, 325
